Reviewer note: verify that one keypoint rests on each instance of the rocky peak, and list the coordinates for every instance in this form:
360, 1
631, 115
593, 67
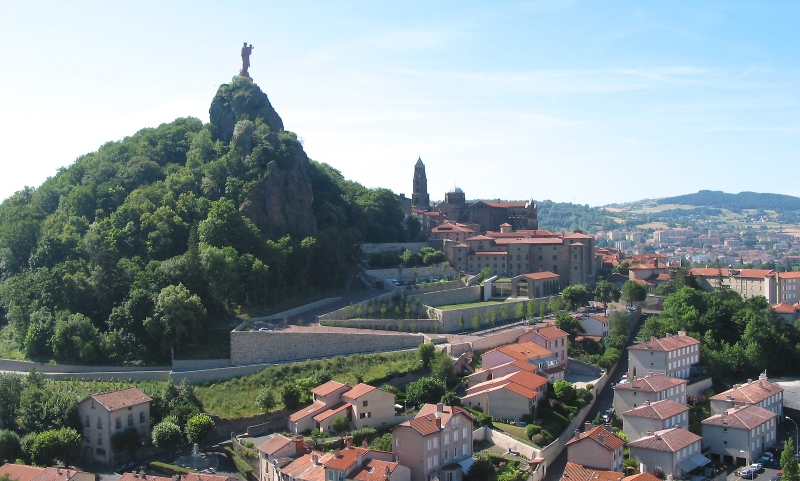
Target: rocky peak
239, 100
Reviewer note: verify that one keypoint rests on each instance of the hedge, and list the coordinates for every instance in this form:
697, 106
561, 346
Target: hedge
241, 464
169, 469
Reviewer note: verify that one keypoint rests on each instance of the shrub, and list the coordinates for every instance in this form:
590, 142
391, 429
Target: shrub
531, 430
241, 464
199, 428
169, 469
359, 435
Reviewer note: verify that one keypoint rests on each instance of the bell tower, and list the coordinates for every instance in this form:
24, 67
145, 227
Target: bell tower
419, 195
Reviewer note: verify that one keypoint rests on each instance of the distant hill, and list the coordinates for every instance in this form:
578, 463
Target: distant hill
736, 202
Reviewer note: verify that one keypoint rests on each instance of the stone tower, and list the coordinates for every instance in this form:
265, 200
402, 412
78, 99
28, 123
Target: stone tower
419, 196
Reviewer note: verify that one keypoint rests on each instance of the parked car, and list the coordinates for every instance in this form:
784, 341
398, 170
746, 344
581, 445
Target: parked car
767, 457
757, 467
746, 473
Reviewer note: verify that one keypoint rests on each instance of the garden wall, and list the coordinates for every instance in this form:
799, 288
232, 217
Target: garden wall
451, 318
504, 441
699, 387
458, 295
298, 310
375, 248
264, 347
420, 325
411, 273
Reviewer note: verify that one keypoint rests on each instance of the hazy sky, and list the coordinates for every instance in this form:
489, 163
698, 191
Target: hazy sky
591, 102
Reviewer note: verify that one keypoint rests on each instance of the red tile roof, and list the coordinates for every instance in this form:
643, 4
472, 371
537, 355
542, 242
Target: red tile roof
551, 332
205, 477
651, 383
670, 440
743, 417
538, 276
658, 410
121, 399
672, 342
307, 411
641, 477
373, 470
20, 472
136, 477
303, 469
358, 391
789, 275
327, 388
425, 420
752, 392
274, 444
576, 472
346, 459
523, 351
602, 436
333, 411
784, 308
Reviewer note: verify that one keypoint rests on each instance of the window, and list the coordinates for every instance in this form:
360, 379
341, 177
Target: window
118, 423
87, 422
99, 422
130, 420
99, 439
365, 403
141, 417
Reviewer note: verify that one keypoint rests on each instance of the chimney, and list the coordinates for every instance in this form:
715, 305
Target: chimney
728, 397
577, 434
646, 402
69, 475
58, 471
438, 422
761, 384
364, 444
649, 433
440, 408
359, 459
314, 459
337, 452
587, 426
749, 381
649, 373
681, 333
349, 441
299, 444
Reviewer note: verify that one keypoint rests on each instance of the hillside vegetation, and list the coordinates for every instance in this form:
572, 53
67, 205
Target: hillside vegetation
151, 242
737, 202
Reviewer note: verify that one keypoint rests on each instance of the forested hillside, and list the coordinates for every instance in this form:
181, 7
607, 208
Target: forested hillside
563, 216
151, 242
737, 202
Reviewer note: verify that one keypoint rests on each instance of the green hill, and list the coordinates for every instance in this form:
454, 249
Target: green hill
152, 242
736, 202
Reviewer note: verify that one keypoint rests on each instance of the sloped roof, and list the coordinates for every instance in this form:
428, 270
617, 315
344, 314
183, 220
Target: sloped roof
425, 420
121, 399
523, 351
358, 391
551, 332
744, 417
373, 470
20, 472
307, 411
327, 388
538, 276
663, 409
601, 436
651, 383
333, 411
206, 477
671, 342
274, 444
576, 472
669, 440
751, 392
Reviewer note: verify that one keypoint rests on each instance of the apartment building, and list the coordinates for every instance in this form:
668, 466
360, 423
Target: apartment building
672, 355
760, 392
651, 388
652, 417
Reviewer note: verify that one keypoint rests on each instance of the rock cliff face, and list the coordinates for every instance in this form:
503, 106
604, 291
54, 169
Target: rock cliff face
282, 203
241, 100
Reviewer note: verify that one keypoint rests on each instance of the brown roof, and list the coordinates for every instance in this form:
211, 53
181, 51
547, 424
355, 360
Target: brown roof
602, 436
789, 275
358, 391
578, 235
372, 470
327, 388
672, 342
346, 458
658, 410
523, 351
303, 469
307, 411
121, 399
576, 472
333, 411
61, 474
670, 440
784, 308
136, 477
651, 383
425, 420
641, 477
744, 417
20, 472
274, 444
551, 332
206, 477
750, 392
523, 383
537, 276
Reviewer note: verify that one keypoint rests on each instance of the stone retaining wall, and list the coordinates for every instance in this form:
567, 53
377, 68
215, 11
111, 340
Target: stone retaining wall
451, 318
298, 310
26, 366
265, 347
192, 364
375, 248
420, 325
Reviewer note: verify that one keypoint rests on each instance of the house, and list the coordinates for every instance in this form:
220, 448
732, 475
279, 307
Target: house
596, 325
576, 472
670, 452
22, 472
134, 476
740, 434
651, 388
551, 338
508, 397
528, 352
437, 442
672, 355
277, 447
760, 392
652, 417
787, 312
363, 405
596, 448
104, 415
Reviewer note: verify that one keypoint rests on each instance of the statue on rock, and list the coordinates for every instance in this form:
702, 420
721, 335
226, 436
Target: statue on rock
246, 50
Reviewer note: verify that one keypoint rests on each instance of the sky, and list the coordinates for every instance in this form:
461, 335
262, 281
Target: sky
572, 101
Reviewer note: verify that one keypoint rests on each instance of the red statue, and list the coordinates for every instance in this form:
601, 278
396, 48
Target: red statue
245, 59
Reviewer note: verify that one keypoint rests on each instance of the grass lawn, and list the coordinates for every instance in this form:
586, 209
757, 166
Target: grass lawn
514, 431
450, 307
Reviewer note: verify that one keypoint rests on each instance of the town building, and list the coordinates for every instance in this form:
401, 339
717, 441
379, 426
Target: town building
508, 397
596, 325
106, 414
787, 287
673, 452
651, 388
747, 282
551, 338
528, 352
760, 392
576, 472
652, 417
363, 405
596, 448
436, 443
276, 452
22, 472
672, 355
740, 434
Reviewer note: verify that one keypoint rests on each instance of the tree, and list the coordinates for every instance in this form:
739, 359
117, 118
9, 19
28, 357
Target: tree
576, 295
532, 309
564, 390
519, 310
789, 463
290, 396
442, 367
606, 292
426, 352
178, 317
476, 321
265, 399
633, 292
10, 392
127, 440
481, 470
569, 324
10, 447
492, 317
425, 390
383, 443
199, 428
450, 399
166, 435
461, 321
340, 425
503, 313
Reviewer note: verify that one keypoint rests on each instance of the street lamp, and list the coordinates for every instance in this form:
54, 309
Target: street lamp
796, 434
